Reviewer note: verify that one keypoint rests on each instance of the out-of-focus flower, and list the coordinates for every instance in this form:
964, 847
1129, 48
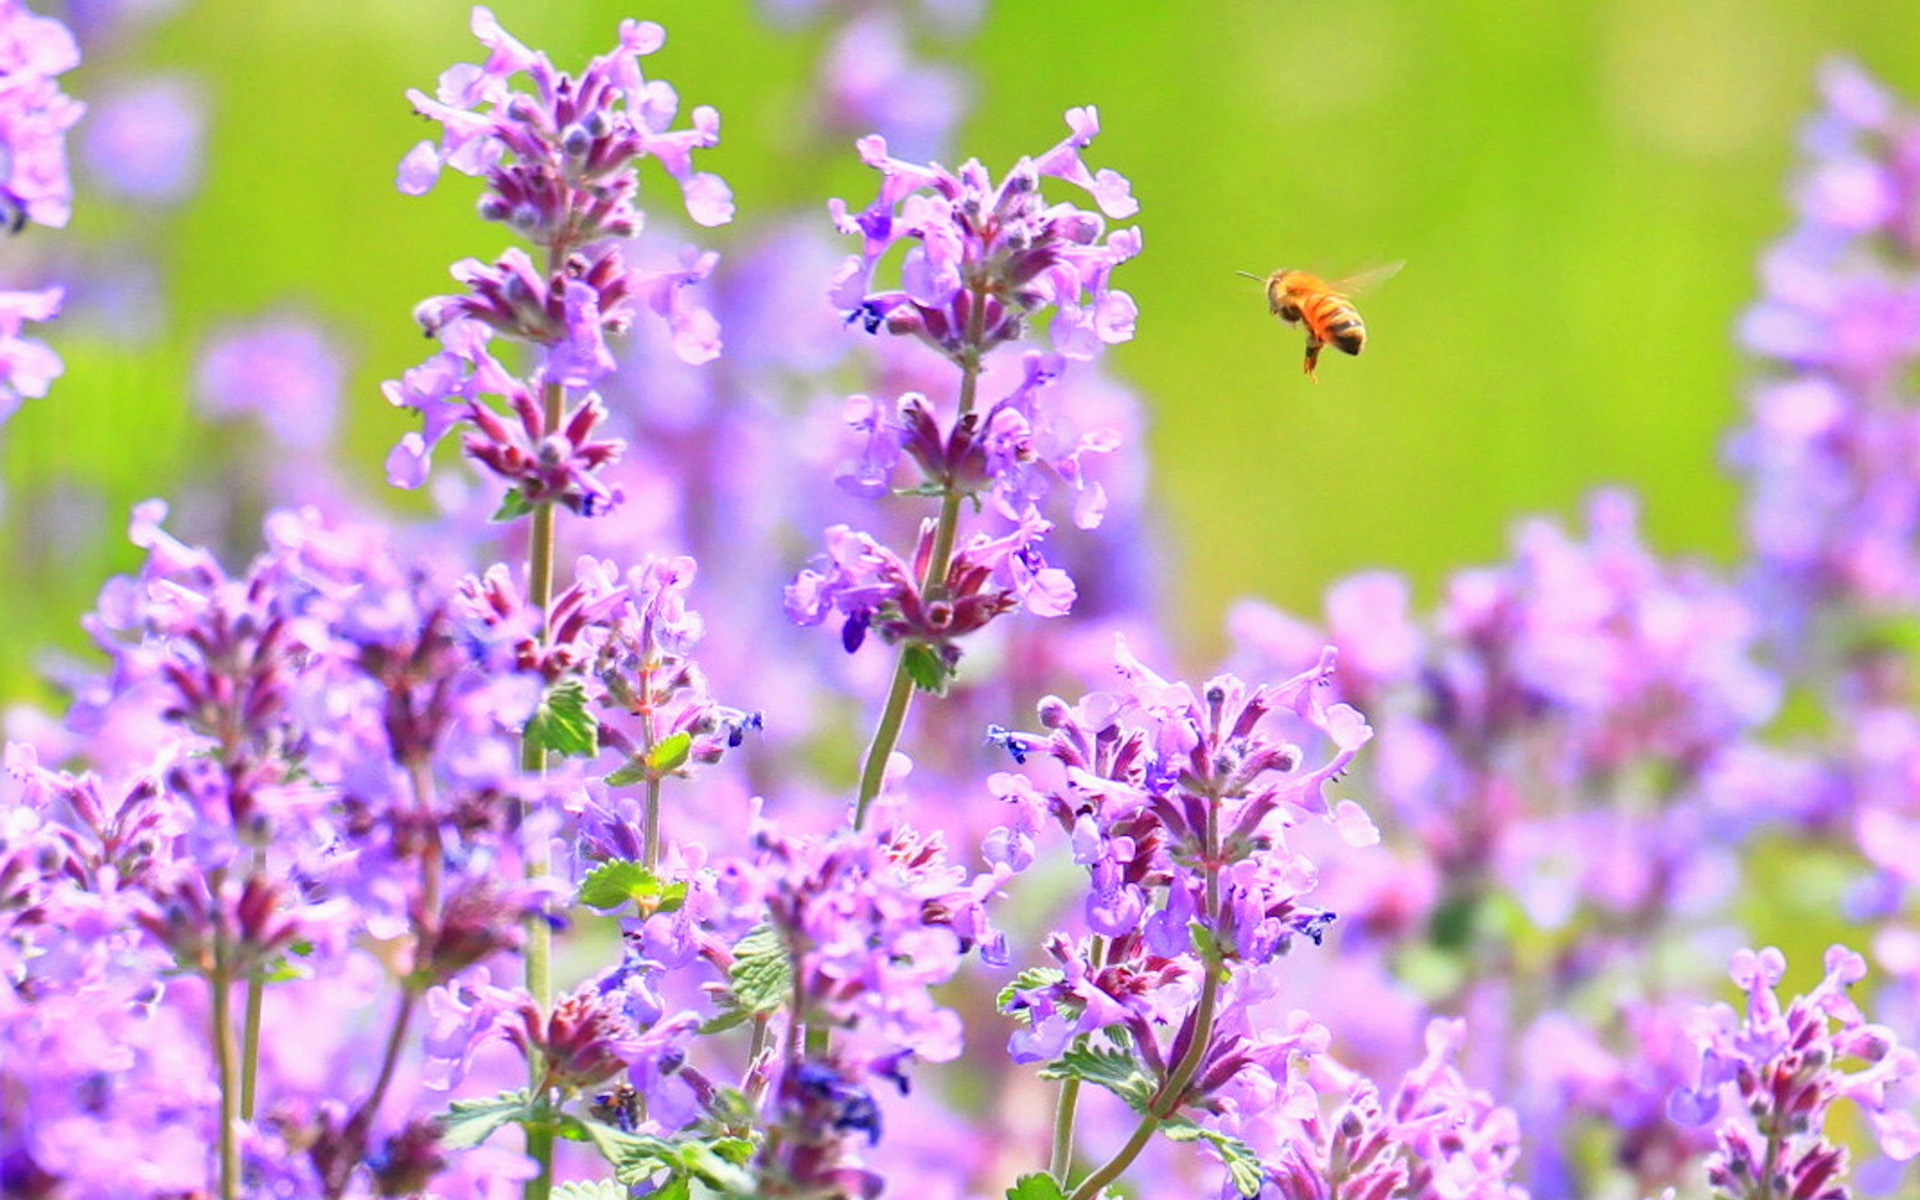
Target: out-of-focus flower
28, 366
145, 139
284, 370
34, 117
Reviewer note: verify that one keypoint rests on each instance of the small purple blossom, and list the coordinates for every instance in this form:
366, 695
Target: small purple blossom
28, 366
34, 117
985, 257
1435, 1138
560, 161
145, 139
1784, 1067
283, 369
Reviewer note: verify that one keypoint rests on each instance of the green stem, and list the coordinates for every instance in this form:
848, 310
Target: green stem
933, 583
533, 759
1061, 1160
223, 1052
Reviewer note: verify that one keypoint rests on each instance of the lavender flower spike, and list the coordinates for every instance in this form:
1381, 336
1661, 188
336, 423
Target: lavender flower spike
34, 117
997, 247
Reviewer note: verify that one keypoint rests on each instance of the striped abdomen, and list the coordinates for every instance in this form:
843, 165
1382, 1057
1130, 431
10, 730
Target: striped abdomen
1333, 320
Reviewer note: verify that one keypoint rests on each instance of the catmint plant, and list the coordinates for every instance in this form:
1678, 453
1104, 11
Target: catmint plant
281, 892
983, 259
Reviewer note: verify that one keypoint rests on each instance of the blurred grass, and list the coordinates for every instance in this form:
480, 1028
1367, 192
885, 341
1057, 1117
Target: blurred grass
1580, 195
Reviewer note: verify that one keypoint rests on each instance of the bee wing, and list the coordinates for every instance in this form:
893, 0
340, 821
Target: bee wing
1372, 277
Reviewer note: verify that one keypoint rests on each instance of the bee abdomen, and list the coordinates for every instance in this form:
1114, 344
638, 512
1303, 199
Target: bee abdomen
1344, 328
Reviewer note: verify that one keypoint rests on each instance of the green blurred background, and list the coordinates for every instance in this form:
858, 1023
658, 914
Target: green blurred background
1580, 191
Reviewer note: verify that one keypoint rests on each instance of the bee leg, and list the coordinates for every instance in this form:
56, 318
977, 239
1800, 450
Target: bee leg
1313, 359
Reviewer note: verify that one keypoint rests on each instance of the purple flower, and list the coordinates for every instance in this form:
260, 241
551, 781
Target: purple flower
1785, 1070
560, 161
985, 257
872, 588
144, 141
560, 167
1435, 1138
1832, 507
28, 366
34, 117
285, 370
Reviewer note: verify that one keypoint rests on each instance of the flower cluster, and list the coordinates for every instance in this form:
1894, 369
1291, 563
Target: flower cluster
1784, 1070
560, 164
1435, 1138
34, 117
1833, 507
986, 256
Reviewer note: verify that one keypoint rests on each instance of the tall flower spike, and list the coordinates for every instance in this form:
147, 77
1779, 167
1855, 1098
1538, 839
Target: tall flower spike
987, 256
560, 165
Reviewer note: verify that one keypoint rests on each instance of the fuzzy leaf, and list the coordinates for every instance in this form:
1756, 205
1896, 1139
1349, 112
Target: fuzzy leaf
1243, 1165
762, 974
633, 771
613, 884
1113, 1070
562, 723
929, 672
513, 506
637, 1157
467, 1123
1026, 981
670, 753
1038, 1186
597, 1189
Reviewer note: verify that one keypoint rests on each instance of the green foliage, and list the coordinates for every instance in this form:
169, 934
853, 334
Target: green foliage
668, 755
636, 1158
467, 1123
759, 981
613, 884
1114, 1070
1038, 1186
1026, 981
929, 671
513, 506
598, 1189
1243, 1165
562, 724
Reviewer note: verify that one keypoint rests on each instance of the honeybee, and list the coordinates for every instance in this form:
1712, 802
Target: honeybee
1301, 298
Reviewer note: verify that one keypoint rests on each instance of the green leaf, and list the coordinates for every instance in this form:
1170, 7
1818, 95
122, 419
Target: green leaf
513, 506
1243, 1165
929, 672
562, 723
637, 1157
762, 973
1026, 981
1117, 1072
633, 771
1038, 1186
620, 880
467, 1123
598, 1189
670, 753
